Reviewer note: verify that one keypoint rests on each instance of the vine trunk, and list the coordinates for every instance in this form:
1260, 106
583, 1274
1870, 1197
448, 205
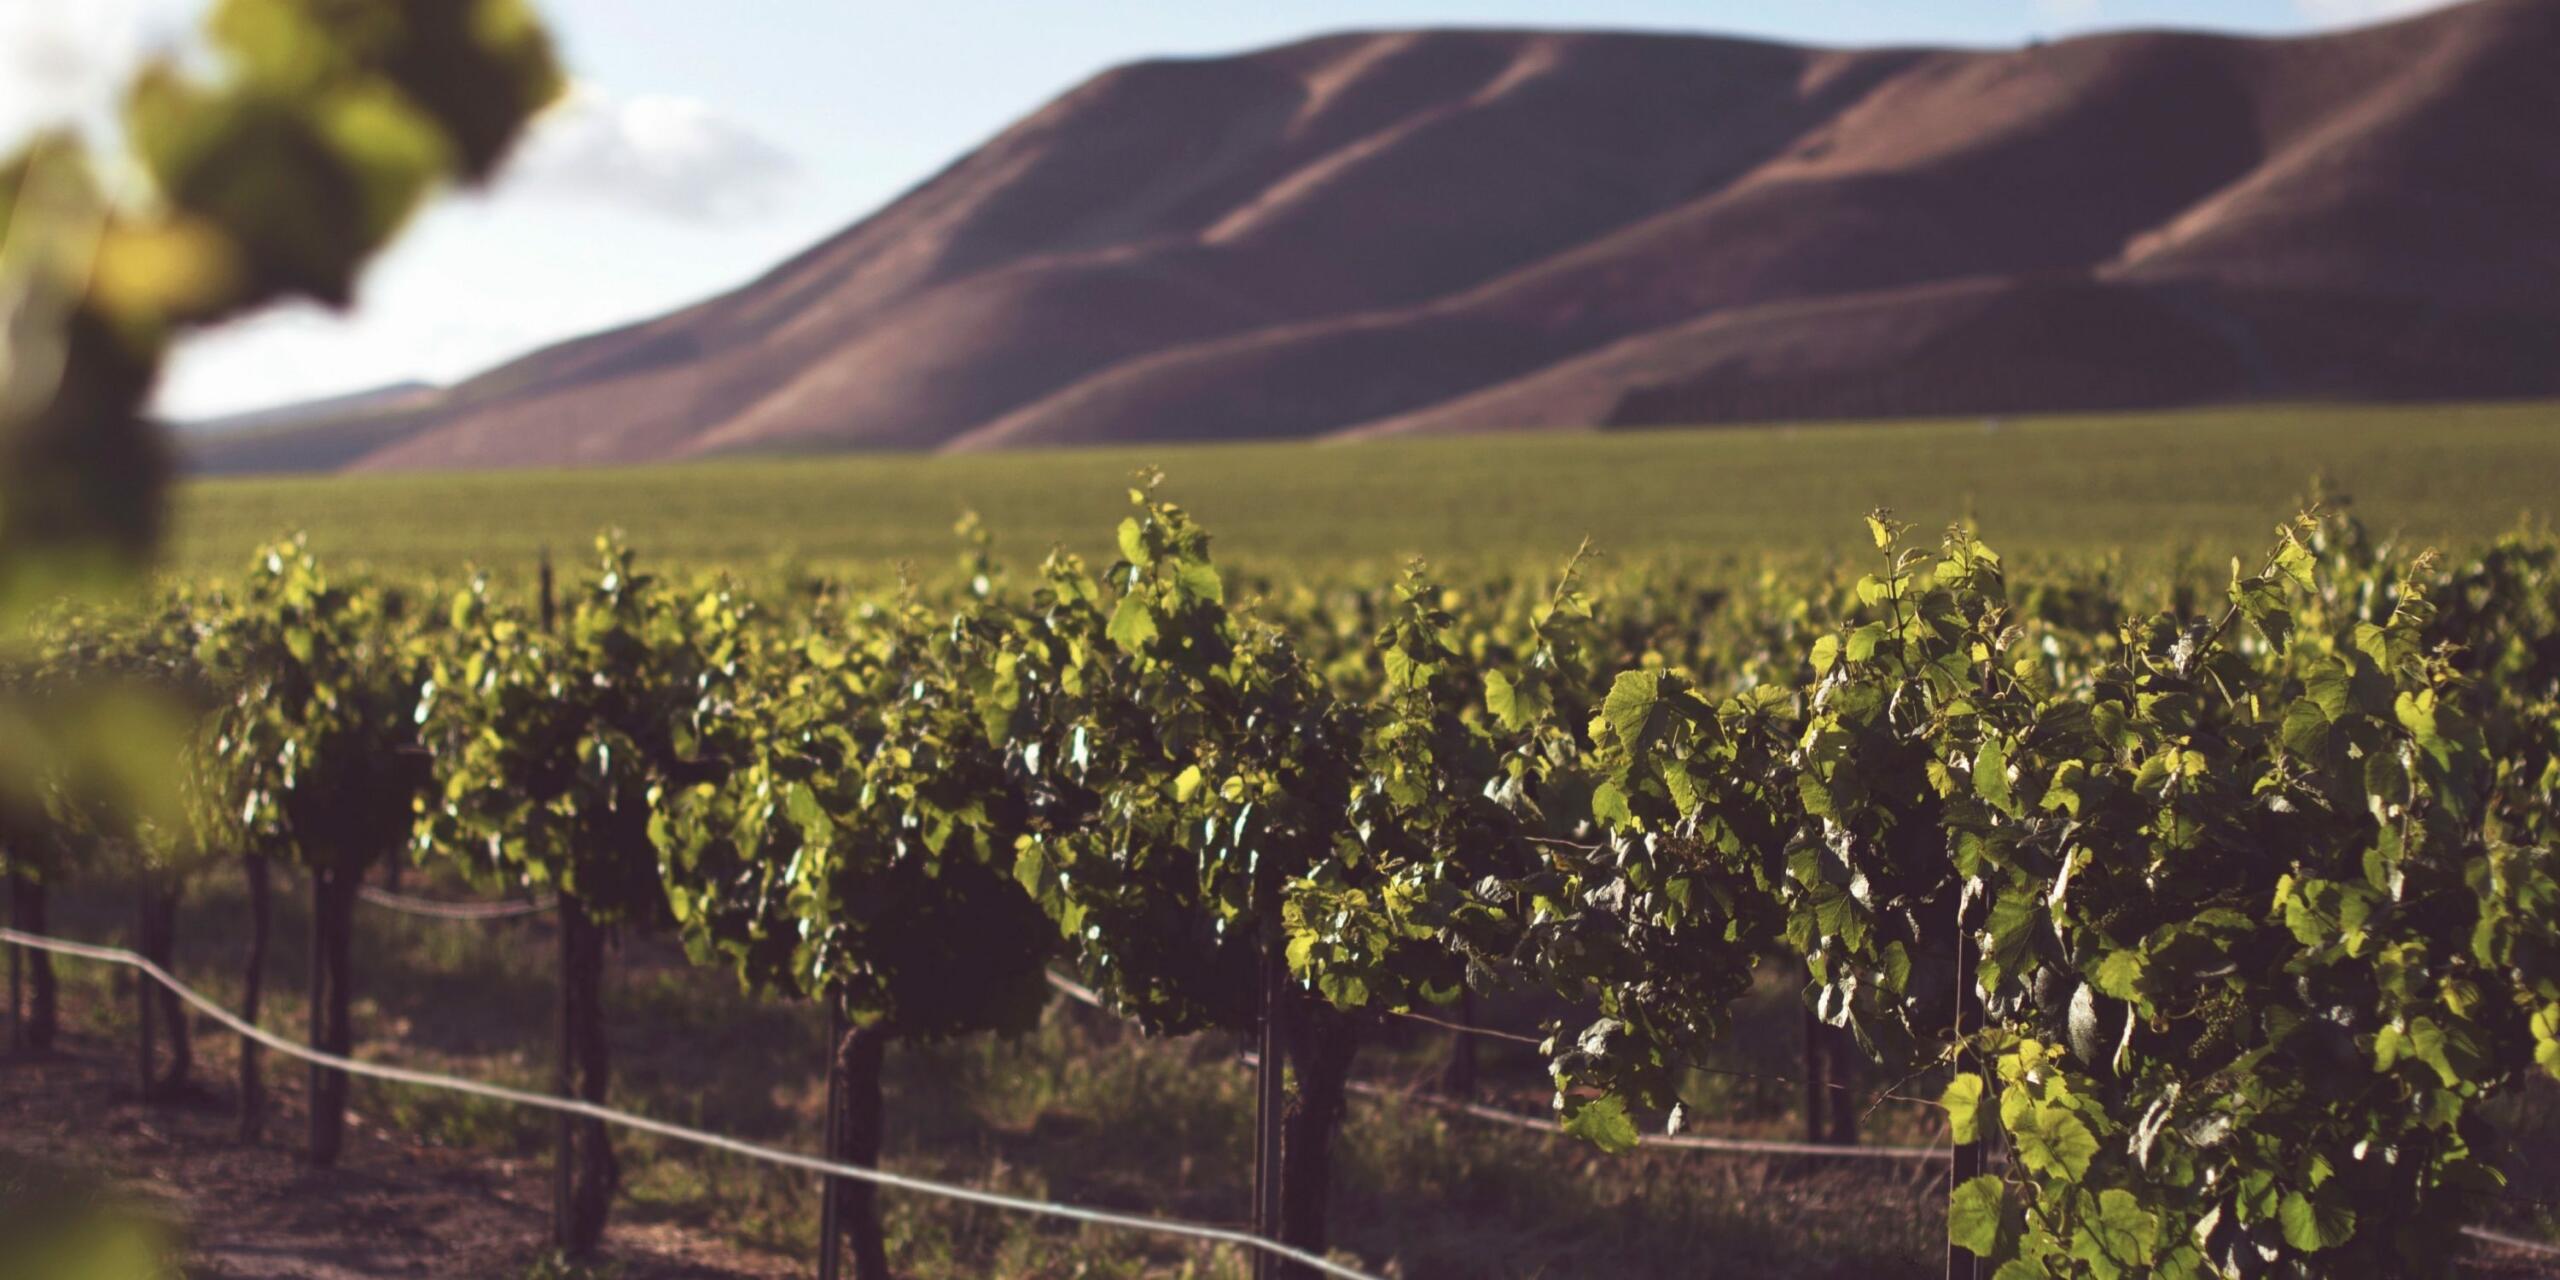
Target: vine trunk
588, 1172
253, 983
333, 899
858, 1131
41, 1019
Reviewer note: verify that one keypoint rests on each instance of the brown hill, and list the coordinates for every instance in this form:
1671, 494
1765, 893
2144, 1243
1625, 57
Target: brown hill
1467, 230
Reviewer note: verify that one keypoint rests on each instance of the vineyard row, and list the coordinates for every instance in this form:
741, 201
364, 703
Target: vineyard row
2220, 914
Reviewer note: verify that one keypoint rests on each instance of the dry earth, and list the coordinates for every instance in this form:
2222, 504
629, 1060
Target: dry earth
394, 1207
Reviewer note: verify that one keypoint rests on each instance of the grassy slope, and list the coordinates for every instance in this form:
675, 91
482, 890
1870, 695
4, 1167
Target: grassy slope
2149, 483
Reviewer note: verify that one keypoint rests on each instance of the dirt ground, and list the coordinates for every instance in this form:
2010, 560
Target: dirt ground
394, 1207
400, 1205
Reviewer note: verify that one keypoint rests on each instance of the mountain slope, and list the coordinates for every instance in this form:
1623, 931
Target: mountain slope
385, 399
1445, 231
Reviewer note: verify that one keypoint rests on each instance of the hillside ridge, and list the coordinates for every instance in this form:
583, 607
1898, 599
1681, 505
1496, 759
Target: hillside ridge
1454, 230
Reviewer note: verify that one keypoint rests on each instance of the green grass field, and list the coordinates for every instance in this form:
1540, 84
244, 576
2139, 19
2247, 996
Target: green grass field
2212, 481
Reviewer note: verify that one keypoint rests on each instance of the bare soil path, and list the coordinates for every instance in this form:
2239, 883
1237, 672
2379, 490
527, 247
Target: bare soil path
394, 1207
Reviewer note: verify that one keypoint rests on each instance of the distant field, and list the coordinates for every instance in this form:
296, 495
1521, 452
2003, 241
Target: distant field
2146, 484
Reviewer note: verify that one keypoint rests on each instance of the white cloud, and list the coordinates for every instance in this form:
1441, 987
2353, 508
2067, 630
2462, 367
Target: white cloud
66, 63
2350, 11
672, 156
2067, 10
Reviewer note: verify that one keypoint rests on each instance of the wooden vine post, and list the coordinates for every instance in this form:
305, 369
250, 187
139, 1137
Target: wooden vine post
17, 977
1270, 1098
580, 1166
563, 1077
33, 1021
830, 1205
19, 1038
253, 1089
1814, 1078
143, 990
1458, 1075
332, 1031
1962, 1263
1840, 1082
158, 921
1830, 1084
860, 1053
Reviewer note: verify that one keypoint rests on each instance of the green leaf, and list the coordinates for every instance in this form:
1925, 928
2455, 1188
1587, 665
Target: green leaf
2375, 643
1815, 797
2311, 1226
2386, 786
2126, 1230
2430, 1044
1630, 705
2390, 1045
1199, 580
2303, 916
1863, 641
2294, 561
2056, 1141
1403, 673
1604, 1123
2119, 975
802, 804
1683, 788
2264, 606
2417, 714
1133, 625
2108, 721
2063, 792
1502, 698
1973, 1215
1991, 777
1609, 806
2306, 727
1963, 1101
2329, 684
2016, 916
1826, 652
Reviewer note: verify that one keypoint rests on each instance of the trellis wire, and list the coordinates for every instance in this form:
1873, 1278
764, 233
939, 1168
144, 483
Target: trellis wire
1683, 1142
408, 905
771, 1155
994, 1199
1085, 995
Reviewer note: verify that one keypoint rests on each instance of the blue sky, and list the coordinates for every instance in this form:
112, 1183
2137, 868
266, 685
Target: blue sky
704, 142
